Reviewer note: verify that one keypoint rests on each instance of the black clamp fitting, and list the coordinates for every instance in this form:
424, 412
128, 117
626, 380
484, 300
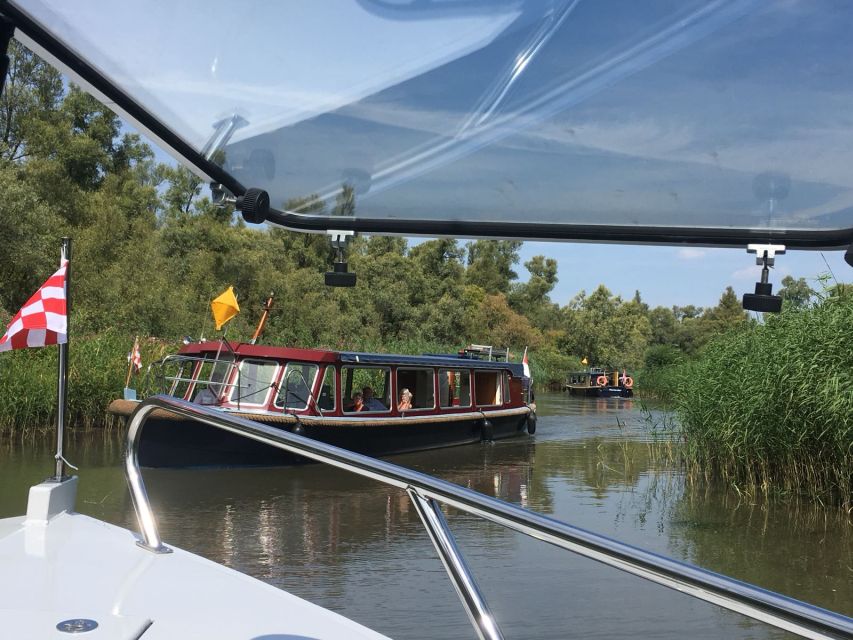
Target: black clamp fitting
340, 277
763, 299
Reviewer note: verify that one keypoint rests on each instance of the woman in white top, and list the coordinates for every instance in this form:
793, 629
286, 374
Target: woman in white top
405, 400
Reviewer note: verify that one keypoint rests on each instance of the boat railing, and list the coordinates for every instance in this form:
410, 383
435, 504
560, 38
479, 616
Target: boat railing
169, 376
296, 373
428, 494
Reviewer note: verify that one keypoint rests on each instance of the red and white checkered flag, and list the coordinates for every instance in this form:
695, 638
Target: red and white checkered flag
43, 319
134, 357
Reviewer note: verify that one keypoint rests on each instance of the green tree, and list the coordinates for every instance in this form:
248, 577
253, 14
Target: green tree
531, 298
29, 241
490, 264
32, 93
605, 329
495, 323
727, 316
440, 261
796, 293
664, 326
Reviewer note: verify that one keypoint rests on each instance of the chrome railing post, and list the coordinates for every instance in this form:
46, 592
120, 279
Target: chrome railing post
466, 588
141, 504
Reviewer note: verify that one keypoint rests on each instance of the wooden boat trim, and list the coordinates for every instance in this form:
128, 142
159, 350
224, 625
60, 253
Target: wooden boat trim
124, 408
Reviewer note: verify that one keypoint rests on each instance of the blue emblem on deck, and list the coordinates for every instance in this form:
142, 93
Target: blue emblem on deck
77, 625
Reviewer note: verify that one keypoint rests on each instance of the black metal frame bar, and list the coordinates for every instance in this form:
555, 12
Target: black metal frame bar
7, 30
619, 234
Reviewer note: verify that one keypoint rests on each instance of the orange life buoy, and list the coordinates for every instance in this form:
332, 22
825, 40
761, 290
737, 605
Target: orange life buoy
629, 382
601, 380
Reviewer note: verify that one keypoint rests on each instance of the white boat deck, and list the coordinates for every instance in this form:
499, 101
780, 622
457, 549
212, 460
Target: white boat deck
70, 566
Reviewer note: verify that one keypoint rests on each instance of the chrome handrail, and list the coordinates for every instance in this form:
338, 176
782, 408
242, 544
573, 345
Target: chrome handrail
428, 493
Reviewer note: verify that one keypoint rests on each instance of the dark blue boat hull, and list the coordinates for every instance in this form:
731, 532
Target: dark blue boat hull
182, 443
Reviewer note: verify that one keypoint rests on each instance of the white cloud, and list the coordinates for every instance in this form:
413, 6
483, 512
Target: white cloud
691, 253
753, 272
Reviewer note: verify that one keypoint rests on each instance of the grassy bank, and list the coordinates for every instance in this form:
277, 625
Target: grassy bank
96, 375
771, 407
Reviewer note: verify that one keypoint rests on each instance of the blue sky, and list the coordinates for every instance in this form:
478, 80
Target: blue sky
671, 275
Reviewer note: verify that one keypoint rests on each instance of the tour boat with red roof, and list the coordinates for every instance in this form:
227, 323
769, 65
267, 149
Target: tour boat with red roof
372, 403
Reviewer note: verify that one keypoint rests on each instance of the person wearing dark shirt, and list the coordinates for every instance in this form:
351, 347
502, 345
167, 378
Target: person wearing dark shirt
370, 402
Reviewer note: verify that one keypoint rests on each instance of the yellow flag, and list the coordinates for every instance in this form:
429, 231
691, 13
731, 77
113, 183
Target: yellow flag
224, 307
584, 361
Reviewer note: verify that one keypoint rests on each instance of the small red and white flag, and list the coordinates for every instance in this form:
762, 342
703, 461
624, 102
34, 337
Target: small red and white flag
43, 319
134, 357
525, 364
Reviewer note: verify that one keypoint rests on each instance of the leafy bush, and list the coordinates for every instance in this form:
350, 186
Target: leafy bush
662, 355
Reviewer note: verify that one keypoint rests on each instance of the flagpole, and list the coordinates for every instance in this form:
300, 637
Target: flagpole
264, 317
62, 384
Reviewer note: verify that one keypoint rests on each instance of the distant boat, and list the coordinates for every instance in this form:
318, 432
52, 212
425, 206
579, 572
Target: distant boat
600, 383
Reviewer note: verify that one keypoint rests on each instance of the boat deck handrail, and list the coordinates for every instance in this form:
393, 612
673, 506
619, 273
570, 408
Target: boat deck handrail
307, 387
167, 384
428, 494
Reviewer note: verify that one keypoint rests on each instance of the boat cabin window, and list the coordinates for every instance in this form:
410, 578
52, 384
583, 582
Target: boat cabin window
454, 387
420, 383
326, 400
505, 396
294, 392
366, 389
211, 378
254, 382
488, 388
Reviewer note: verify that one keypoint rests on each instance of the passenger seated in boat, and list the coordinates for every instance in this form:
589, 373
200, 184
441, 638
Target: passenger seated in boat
205, 396
405, 400
370, 402
356, 404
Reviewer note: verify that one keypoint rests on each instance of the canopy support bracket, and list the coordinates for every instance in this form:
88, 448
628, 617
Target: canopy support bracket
339, 276
763, 298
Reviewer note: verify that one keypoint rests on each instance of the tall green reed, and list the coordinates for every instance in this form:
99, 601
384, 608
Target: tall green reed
771, 407
96, 376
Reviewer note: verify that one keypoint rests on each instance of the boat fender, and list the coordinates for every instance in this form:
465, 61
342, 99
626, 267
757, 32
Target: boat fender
487, 430
601, 380
629, 382
298, 429
531, 422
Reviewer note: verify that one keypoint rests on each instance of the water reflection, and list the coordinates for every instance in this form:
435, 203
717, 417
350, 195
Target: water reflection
358, 547
715, 528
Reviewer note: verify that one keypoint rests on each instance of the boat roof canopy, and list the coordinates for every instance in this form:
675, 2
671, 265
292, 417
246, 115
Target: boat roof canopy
449, 361
714, 123
245, 350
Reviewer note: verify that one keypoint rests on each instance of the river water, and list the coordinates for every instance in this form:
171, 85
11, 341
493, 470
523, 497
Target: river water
358, 548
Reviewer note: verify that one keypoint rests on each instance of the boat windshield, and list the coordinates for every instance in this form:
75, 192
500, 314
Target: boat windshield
717, 122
